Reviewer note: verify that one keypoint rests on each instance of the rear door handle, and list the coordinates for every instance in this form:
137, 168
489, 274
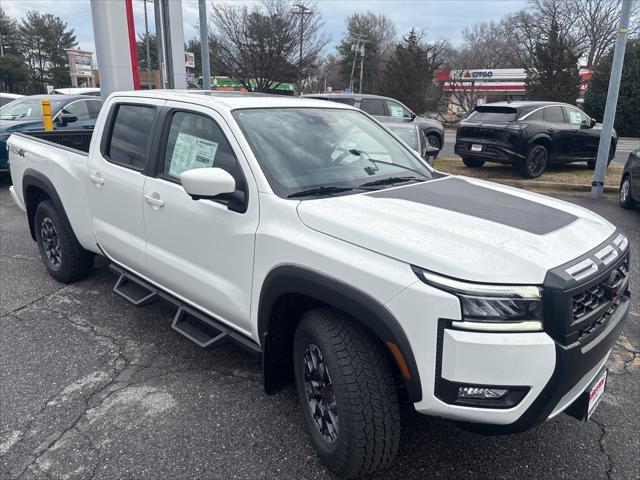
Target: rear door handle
154, 200
97, 179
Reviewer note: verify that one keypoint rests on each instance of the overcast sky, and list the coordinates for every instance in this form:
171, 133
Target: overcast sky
438, 18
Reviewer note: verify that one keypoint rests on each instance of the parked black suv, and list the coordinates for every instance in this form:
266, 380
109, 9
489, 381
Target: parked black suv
388, 109
630, 182
529, 135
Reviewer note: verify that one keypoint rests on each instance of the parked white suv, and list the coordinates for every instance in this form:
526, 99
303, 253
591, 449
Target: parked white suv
309, 234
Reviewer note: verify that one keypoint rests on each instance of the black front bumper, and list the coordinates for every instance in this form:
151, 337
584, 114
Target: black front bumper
582, 342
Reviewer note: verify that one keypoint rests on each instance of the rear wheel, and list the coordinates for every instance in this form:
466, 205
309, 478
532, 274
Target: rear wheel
347, 392
626, 201
472, 162
434, 141
535, 162
64, 258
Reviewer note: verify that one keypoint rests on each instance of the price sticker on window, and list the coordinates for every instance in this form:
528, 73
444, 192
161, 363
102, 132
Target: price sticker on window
191, 152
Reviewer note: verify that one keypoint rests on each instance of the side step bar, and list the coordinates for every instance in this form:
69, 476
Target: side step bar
202, 329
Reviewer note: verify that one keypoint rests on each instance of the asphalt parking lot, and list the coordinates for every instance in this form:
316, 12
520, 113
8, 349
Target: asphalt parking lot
92, 387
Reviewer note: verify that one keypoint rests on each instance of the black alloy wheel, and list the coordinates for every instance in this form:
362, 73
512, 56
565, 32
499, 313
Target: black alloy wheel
536, 162
51, 242
320, 396
434, 141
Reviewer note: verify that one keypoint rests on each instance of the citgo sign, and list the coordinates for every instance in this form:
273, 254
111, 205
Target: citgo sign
478, 74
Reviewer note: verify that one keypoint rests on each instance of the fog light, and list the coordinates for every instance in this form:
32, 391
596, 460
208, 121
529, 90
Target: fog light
481, 393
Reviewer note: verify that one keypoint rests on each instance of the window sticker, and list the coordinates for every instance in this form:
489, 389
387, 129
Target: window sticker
395, 110
575, 117
191, 152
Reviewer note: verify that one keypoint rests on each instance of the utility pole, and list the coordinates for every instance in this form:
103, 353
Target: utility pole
597, 185
204, 46
361, 67
146, 30
356, 48
302, 10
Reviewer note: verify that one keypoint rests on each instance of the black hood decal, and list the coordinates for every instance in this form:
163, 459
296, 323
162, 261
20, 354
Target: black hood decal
460, 196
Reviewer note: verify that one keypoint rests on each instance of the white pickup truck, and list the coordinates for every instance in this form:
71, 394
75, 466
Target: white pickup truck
307, 233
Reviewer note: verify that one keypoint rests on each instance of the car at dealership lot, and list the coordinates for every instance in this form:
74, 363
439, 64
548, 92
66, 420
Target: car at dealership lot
388, 109
366, 278
529, 135
6, 98
629, 195
414, 136
25, 114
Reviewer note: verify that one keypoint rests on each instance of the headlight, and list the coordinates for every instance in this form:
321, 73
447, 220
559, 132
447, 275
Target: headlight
491, 307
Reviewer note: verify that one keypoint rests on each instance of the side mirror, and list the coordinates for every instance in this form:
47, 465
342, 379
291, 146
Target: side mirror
66, 118
208, 183
592, 123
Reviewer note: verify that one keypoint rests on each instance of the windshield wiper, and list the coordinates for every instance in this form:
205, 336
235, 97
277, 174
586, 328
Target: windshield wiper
391, 181
319, 191
375, 161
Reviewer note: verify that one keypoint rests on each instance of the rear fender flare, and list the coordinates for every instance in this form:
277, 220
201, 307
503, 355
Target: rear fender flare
32, 178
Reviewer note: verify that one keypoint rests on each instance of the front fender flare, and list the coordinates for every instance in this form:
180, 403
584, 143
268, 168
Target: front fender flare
295, 279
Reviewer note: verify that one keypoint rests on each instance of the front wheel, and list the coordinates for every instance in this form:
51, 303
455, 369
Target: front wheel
535, 162
625, 193
347, 392
472, 162
64, 258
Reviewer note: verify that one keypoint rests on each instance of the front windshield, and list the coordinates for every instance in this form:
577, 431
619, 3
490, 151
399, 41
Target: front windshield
407, 134
316, 148
27, 109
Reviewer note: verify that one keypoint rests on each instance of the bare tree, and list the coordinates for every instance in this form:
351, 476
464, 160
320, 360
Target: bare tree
260, 47
598, 22
491, 45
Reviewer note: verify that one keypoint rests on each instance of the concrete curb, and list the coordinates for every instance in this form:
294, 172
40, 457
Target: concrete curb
552, 186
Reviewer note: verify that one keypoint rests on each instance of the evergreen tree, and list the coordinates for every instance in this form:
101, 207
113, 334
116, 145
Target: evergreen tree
8, 34
554, 72
627, 121
43, 39
410, 71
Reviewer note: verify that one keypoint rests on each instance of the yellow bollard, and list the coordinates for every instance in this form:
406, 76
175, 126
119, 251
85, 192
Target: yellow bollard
46, 115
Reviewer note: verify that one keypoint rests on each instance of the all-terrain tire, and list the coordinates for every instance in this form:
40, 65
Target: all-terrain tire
62, 255
361, 383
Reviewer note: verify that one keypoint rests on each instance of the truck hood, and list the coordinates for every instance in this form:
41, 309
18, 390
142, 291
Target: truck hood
461, 227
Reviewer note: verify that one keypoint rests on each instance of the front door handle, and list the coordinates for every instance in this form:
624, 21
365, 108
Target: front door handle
97, 179
154, 200
551, 130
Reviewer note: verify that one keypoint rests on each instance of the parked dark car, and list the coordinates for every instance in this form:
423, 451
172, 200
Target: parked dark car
530, 136
25, 115
412, 135
630, 182
388, 109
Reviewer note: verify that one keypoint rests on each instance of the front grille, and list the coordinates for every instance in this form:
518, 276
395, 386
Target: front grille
586, 302
577, 310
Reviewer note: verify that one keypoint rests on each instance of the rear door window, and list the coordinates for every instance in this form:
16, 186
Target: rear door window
576, 117
553, 114
373, 106
130, 134
397, 111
